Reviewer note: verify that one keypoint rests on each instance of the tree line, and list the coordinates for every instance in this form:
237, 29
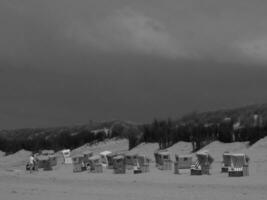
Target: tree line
57, 138
200, 129
169, 132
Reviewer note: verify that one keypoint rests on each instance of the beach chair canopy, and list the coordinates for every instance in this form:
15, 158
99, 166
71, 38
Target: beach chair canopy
239, 160
104, 157
119, 161
182, 157
163, 154
110, 158
47, 152
227, 159
42, 158
204, 157
95, 158
66, 152
88, 153
142, 159
44, 162
131, 156
77, 158
119, 157
112, 154
105, 153
52, 156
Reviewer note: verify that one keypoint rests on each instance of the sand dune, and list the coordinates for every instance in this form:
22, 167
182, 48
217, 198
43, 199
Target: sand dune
62, 183
180, 148
217, 148
112, 145
147, 149
2, 154
258, 156
260, 145
16, 160
155, 185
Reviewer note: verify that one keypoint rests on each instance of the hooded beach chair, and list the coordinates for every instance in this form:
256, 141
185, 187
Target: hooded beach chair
130, 160
95, 164
86, 157
65, 153
110, 159
104, 158
141, 165
78, 163
239, 165
202, 164
163, 160
182, 162
143, 162
44, 162
226, 162
119, 165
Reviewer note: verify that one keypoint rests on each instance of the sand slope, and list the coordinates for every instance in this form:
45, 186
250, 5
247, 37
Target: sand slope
217, 148
180, 148
17, 160
258, 151
112, 145
156, 185
2, 154
258, 156
147, 149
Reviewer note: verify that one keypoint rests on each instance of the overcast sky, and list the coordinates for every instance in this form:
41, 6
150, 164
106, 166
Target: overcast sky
66, 62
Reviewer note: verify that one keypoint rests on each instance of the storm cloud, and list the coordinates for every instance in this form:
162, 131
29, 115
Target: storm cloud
66, 62
224, 31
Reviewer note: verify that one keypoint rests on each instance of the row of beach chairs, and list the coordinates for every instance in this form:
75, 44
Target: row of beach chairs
235, 164
119, 162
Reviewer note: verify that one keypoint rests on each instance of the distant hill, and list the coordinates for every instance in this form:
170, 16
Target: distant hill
56, 138
244, 114
199, 128
247, 123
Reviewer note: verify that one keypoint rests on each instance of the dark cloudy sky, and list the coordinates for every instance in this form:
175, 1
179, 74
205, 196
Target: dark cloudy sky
66, 62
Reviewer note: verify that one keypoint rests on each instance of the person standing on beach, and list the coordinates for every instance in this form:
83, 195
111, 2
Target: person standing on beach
31, 163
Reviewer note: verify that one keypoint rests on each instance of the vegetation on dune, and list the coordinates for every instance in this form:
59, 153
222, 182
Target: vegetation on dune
62, 137
242, 124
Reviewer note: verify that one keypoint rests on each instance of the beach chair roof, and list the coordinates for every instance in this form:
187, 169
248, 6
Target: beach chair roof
47, 152
104, 153
65, 151
239, 159
112, 154
78, 156
96, 157
204, 152
227, 153
238, 155
118, 157
87, 152
43, 158
131, 154
142, 155
227, 156
183, 156
162, 152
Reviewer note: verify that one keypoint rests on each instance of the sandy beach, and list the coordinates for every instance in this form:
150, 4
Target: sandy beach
62, 183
